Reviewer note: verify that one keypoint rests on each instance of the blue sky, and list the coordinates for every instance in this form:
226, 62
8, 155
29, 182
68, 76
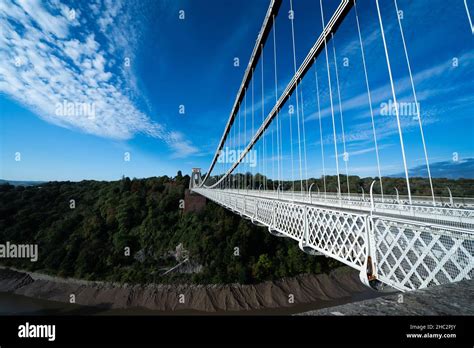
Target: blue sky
134, 63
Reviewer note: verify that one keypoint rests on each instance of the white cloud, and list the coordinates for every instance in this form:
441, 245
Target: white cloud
49, 23
431, 84
43, 65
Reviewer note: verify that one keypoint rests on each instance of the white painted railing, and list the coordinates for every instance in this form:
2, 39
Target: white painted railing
400, 251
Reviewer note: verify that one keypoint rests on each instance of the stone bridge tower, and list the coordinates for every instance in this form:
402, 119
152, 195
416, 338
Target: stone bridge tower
196, 178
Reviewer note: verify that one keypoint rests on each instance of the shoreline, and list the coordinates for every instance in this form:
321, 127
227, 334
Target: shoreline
313, 291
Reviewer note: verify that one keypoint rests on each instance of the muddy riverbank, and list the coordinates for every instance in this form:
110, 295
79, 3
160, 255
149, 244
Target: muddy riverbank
285, 296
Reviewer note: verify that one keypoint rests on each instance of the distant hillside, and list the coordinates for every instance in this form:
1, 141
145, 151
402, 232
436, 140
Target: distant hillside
448, 169
21, 183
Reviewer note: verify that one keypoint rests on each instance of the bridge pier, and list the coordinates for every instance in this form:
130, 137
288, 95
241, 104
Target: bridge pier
193, 202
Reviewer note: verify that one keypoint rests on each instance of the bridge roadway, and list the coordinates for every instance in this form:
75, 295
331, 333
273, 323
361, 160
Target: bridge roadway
405, 246
422, 209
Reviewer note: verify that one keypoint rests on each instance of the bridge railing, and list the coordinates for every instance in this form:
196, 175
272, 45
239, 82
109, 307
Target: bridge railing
337, 234
461, 218
406, 255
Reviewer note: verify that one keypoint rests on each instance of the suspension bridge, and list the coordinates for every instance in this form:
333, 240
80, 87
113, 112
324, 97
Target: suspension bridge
402, 240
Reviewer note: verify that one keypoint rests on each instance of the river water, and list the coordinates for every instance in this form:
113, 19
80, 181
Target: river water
12, 304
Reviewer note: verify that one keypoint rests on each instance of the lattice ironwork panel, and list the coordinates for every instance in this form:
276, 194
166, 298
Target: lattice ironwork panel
338, 234
289, 219
265, 211
412, 256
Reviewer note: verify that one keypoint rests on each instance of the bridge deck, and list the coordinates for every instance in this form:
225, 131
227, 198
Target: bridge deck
395, 246
422, 210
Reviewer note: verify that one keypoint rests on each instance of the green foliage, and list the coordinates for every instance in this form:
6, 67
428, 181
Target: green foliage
262, 268
89, 241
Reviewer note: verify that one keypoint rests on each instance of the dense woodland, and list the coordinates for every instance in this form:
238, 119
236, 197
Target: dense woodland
88, 241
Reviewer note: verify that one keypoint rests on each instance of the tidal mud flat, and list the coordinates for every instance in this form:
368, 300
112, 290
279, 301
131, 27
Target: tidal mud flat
286, 295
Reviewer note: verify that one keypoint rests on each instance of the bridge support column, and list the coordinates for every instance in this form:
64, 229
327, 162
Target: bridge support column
368, 275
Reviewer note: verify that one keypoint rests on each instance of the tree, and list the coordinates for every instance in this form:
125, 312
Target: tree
263, 267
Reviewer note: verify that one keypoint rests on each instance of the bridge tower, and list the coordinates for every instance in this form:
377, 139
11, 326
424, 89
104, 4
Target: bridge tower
196, 178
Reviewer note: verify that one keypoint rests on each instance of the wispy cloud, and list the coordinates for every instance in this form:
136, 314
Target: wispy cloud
382, 93
51, 55
363, 151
